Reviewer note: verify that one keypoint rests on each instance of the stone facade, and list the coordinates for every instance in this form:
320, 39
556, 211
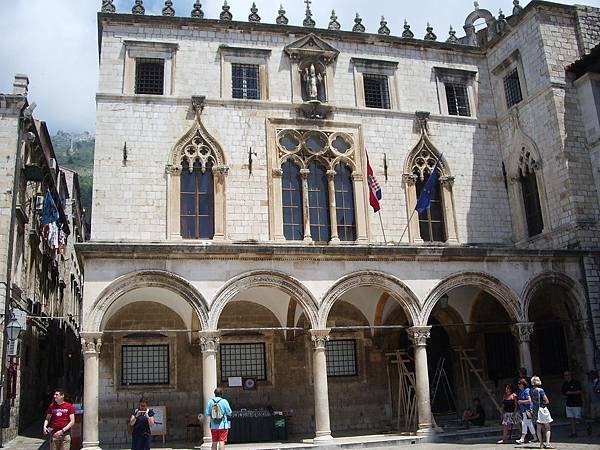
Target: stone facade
44, 280
488, 286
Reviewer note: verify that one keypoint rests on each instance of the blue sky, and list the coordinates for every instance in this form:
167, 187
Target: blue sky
55, 41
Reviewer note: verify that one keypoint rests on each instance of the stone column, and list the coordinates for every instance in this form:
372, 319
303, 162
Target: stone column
306, 214
418, 335
447, 202
277, 174
335, 239
410, 187
209, 343
523, 331
583, 328
219, 175
91, 343
322, 425
174, 202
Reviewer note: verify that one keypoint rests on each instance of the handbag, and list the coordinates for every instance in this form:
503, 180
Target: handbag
529, 414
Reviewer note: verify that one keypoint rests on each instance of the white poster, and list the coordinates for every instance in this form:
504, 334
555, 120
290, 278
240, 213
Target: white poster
160, 420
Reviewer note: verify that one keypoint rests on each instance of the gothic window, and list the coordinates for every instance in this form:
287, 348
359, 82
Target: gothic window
512, 88
431, 221
149, 76
436, 224
458, 99
245, 81
531, 202
317, 179
318, 203
197, 201
196, 185
291, 185
377, 94
344, 202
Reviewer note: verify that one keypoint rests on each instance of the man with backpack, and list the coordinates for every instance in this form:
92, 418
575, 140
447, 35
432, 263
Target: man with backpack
219, 411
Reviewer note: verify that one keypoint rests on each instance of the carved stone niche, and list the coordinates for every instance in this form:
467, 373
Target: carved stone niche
311, 61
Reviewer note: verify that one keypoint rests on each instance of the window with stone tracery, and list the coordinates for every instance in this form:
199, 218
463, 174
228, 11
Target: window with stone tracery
196, 176
530, 193
436, 224
318, 175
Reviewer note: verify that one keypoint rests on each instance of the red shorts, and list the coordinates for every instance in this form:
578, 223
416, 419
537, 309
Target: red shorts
219, 435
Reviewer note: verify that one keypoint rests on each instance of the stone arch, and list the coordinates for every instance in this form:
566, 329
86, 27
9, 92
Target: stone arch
504, 294
197, 143
144, 279
262, 278
479, 14
388, 283
571, 287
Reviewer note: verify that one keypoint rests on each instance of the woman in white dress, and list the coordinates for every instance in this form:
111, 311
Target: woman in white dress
541, 414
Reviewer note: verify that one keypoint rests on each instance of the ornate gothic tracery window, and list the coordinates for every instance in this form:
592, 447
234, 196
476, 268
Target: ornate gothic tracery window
196, 177
317, 178
530, 193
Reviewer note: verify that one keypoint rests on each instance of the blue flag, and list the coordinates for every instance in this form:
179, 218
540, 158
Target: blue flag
424, 201
49, 212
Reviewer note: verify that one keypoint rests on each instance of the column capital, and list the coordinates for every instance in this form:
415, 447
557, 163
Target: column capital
331, 174
304, 173
221, 171
419, 335
447, 181
173, 170
277, 172
409, 179
522, 331
209, 340
319, 338
91, 343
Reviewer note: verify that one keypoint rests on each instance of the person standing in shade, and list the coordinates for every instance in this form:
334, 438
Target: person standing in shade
219, 411
141, 420
525, 407
593, 412
60, 417
572, 391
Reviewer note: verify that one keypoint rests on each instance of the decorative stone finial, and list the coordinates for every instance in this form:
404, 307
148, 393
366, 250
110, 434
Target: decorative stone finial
517, 8
358, 26
430, 36
107, 6
476, 4
501, 24
501, 15
197, 12
452, 39
225, 14
168, 10
383, 29
254, 17
407, 34
138, 8
281, 19
333, 22
308, 20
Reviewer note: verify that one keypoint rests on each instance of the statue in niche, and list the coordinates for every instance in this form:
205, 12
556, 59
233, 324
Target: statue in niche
313, 80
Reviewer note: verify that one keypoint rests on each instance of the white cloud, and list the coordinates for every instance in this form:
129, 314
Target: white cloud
55, 42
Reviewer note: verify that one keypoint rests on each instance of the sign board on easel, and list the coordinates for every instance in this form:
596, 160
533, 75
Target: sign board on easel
160, 422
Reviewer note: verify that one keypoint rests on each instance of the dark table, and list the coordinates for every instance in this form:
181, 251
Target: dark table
252, 428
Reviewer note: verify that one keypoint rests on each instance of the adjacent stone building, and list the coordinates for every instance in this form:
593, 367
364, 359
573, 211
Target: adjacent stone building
233, 234
42, 279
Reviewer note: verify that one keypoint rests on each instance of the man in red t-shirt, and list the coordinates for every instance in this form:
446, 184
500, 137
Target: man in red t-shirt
61, 417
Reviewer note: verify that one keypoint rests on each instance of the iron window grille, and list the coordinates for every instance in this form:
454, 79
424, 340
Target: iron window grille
341, 358
245, 81
149, 76
243, 360
512, 88
458, 99
144, 364
377, 92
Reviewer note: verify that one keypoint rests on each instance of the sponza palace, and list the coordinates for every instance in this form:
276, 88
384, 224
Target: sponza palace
233, 237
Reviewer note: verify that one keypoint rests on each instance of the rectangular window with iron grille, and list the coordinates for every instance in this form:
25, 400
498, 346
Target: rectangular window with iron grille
245, 81
458, 99
377, 92
149, 76
341, 358
243, 360
144, 364
512, 88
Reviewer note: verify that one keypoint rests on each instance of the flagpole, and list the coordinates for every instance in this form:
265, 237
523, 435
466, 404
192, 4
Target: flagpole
382, 230
408, 223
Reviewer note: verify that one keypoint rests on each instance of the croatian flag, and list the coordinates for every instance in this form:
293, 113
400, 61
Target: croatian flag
374, 188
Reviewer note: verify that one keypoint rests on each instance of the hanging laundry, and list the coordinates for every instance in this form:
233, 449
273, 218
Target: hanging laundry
50, 211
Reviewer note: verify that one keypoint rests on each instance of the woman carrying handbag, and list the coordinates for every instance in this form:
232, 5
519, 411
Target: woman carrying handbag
540, 412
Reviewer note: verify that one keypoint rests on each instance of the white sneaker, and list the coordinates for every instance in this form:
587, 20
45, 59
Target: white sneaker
520, 441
